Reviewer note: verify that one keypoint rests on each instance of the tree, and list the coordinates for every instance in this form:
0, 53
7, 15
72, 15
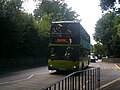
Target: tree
99, 49
56, 9
109, 4
106, 32
9, 9
104, 28
19, 34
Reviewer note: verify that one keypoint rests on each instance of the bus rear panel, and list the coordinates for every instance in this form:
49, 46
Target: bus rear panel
68, 47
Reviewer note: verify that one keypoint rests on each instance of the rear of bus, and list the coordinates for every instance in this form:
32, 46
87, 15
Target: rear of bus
65, 50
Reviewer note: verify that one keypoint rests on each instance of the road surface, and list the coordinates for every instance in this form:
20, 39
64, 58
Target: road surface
39, 78
109, 73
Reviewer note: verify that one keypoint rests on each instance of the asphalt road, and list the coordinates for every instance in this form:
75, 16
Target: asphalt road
21, 74
109, 75
30, 79
39, 78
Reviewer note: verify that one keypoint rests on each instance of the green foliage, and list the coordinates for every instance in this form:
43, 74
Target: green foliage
91, 48
107, 33
18, 34
98, 49
110, 5
118, 30
56, 10
107, 4
112, 34
44, 25
104, 28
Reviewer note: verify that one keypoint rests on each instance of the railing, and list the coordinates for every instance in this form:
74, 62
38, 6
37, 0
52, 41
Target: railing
81, 80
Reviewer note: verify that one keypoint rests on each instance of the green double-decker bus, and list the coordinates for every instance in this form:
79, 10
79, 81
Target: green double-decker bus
69, 46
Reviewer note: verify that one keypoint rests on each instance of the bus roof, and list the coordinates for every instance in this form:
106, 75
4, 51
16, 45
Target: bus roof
65, 22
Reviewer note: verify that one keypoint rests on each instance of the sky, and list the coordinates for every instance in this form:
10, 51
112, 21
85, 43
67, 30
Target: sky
88, 10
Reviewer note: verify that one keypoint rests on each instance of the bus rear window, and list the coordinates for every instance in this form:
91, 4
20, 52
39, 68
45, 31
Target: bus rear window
65, 28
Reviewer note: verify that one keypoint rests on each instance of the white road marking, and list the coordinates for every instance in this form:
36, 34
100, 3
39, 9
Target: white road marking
107, 84
30, 76
117, 66
7, 82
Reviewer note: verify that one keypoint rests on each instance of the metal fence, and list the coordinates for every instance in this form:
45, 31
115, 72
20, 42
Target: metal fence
81, 80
